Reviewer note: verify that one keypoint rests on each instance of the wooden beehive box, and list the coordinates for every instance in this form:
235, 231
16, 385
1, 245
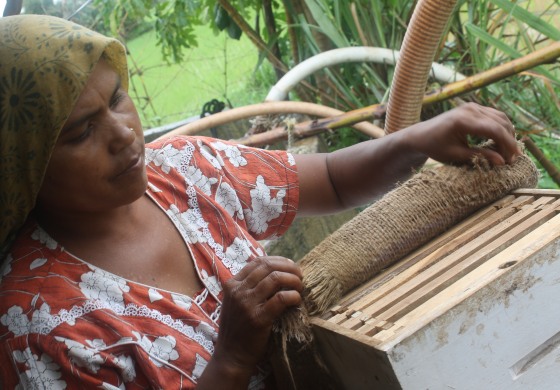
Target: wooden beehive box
476, 308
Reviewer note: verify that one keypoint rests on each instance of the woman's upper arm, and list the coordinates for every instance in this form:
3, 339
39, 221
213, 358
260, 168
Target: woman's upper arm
316, 192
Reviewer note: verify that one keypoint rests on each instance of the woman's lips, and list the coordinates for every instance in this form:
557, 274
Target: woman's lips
133, 165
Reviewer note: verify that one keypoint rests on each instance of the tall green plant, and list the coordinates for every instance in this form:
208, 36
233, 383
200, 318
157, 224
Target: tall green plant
482, 34
510, 30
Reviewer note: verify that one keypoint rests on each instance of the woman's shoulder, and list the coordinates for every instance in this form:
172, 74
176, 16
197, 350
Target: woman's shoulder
215, 154
32, 244
34, 259
164, 144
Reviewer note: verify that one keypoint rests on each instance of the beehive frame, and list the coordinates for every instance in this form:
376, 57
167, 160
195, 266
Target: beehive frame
499, 249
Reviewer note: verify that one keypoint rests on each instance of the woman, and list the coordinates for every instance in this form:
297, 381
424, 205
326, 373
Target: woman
122, 261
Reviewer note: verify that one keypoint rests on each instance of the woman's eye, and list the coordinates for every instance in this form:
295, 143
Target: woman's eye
116, 99
84, 134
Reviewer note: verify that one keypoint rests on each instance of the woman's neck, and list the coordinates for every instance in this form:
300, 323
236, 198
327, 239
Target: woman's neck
77, 226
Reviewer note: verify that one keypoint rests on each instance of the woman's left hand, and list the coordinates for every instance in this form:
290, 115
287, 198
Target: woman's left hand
445, 137
253, 300
358, 174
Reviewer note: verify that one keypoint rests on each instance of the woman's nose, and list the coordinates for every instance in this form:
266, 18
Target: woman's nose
121, 135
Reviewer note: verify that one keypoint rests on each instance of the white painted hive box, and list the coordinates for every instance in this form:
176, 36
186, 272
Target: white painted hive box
476, 308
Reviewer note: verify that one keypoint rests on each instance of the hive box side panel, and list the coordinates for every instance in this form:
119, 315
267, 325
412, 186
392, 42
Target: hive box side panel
505, 333
353, 362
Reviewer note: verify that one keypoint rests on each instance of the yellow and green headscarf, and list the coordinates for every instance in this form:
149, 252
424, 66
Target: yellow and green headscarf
45, 63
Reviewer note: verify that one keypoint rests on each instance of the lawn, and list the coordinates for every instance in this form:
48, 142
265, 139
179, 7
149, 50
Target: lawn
219, 68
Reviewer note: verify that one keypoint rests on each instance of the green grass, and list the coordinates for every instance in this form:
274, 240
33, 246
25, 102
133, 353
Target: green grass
220, 68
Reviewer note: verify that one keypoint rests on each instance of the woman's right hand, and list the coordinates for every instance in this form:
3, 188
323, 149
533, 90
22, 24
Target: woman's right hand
253, 300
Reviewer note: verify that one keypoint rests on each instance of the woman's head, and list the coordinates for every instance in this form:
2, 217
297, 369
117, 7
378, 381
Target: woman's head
98, 161
46, 64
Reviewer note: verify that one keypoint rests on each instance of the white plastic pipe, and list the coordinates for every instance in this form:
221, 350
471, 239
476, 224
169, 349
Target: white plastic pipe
344, 55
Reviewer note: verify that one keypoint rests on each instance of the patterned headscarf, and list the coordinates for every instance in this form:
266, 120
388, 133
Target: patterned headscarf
45, 63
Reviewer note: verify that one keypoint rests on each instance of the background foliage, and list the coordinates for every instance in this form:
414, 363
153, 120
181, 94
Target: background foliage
482, 34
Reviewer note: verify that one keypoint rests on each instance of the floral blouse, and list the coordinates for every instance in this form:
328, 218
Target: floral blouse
65, 323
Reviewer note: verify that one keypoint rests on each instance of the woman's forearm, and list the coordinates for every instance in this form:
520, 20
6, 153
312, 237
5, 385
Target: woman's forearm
358, 174
224, 375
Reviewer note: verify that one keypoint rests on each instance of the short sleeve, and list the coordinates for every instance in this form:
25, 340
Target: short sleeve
258, 188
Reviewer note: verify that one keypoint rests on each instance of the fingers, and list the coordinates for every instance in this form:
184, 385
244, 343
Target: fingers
253, 299
265, 288
504, 136
279, 302
259, 268
489, 123
445, 138
492, 156
498, 116
281, 290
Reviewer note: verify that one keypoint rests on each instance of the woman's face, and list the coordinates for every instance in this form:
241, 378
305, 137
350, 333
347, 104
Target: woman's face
98, 161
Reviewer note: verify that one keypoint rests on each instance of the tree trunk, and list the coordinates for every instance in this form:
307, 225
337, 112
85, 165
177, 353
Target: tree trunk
292, 36
324, 44
13, 7
252, 35
272, 35
293, 8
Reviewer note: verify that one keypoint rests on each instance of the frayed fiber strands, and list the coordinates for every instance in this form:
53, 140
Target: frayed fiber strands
425, 206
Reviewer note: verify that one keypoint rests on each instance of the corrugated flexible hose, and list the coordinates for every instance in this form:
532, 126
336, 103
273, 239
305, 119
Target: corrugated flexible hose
420, 44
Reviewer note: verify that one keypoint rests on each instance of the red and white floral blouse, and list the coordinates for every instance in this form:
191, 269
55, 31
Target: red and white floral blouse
65, 323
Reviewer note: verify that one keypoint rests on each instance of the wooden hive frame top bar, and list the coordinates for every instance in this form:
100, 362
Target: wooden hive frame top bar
414, 291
